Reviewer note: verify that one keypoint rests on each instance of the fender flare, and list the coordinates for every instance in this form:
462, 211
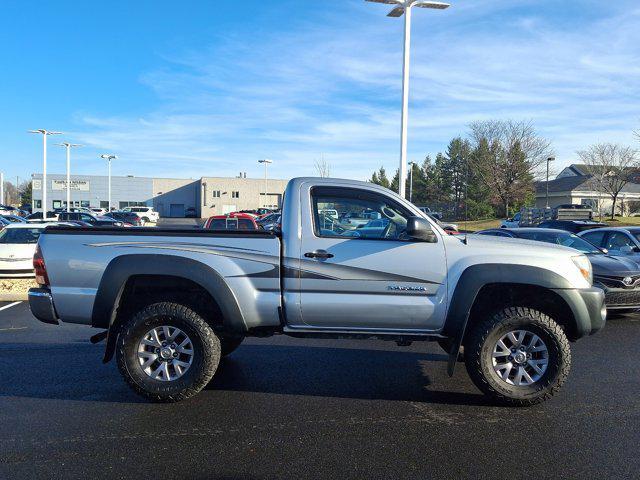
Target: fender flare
471, 282
122, 268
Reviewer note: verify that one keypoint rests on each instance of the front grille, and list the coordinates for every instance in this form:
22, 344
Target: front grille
616, 282
631, 298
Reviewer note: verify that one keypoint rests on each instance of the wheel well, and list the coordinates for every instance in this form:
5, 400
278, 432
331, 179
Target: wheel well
142, 290
494, 297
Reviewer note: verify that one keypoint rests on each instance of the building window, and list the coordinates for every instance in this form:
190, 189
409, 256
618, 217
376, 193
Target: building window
57, 204
85, 203
235, 194
37, 203
104, 204
216, 194
131, 204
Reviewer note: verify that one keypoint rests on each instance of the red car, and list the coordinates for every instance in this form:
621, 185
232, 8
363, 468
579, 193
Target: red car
232, 221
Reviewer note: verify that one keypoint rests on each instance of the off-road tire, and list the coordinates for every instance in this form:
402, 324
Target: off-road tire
206, 347
479, 343
228, 345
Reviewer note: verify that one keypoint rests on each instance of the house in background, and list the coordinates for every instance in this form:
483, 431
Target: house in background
574, 185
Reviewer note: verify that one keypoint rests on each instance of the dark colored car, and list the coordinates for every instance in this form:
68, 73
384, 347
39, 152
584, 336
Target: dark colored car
128, 218
190, 213
92, 219
38, 216
13, 219
573, 226
618, 277
4, 222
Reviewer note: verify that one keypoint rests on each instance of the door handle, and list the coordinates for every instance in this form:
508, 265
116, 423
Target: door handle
319, 254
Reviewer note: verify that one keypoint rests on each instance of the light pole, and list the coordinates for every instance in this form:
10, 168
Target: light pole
45, 134
403, 7
1, 188
266, 163
68, 146
550, 159
108, 157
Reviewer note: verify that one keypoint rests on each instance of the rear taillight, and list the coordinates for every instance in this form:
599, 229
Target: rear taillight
42, 278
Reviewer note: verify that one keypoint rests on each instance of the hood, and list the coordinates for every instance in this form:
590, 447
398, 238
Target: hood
517, 245
613, 266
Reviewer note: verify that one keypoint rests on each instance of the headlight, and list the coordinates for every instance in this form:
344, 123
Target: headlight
584, 265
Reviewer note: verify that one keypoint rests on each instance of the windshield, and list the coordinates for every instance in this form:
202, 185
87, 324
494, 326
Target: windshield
20, 235
560, 238
231, 224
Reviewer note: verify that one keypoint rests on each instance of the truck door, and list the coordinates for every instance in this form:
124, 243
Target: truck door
367, 275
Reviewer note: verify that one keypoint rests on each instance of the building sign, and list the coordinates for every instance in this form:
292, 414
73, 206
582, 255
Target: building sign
36, 184
79, 185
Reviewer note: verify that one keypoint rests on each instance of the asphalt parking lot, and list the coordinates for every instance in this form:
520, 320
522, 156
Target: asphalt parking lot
290, 408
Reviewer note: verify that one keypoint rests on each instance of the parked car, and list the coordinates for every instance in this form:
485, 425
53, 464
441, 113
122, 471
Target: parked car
513, 222
428, 211
268, 218
618, 241
90, 218
38, 217
174, 303
129, 219
618, 277
450, 228
17, 246
190, 212
274, 223
98, 211
14, 218
573, 226
147, 214
233, 221
4, 222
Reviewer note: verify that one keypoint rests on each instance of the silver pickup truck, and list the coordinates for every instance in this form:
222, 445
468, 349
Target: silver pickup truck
171, 303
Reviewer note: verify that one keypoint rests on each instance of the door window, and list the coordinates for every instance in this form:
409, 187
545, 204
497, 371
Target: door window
617, 241
594, 238
344, 212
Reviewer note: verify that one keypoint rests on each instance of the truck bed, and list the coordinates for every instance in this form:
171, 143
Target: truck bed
83, 261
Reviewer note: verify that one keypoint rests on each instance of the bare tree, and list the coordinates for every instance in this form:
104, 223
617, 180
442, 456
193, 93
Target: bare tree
611, 166
323, 169
507, 156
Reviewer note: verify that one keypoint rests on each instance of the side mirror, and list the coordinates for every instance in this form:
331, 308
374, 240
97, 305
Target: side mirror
604, 250
419, 228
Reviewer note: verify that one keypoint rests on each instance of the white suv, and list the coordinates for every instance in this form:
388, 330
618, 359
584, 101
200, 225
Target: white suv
147, 214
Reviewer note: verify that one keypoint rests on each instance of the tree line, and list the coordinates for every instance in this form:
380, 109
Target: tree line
489, 173
492, 171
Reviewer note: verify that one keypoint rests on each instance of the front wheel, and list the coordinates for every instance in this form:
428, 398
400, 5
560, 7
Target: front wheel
167, 352
519, 357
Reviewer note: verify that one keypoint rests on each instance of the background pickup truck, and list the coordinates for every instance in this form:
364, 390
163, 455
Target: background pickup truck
173, 302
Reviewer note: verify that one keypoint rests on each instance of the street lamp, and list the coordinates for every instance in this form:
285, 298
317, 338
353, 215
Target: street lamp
68, 146
45, 134
266, 163
403, 7
108, 157
550, 159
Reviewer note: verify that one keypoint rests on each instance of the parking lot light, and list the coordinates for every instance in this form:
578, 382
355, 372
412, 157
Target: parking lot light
45, 134
550, 159
403, 7
108, 157
68, 146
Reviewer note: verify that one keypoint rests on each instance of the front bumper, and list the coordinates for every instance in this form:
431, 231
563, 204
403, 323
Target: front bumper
588, 308
41, 305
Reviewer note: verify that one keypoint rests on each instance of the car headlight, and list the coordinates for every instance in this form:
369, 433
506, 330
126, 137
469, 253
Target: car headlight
584, 265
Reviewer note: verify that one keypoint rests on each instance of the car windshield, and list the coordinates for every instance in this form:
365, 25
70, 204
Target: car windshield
20, 235
560, 238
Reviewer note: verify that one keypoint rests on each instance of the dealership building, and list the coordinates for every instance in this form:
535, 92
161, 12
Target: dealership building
170, 197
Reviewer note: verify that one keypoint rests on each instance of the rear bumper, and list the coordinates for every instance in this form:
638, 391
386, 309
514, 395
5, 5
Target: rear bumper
588, 308
41, 305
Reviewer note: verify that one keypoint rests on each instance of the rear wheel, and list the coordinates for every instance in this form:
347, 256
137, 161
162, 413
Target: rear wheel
167, 352
518, 357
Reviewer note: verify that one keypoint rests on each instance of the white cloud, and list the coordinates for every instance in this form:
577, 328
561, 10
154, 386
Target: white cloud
332, 87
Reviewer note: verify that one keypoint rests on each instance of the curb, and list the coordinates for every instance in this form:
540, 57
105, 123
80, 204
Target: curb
13, 297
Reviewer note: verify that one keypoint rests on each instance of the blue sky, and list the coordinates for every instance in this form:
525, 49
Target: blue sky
195, 88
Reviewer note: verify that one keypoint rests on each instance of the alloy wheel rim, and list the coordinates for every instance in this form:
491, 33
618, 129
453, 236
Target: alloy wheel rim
165, 353
520, 358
